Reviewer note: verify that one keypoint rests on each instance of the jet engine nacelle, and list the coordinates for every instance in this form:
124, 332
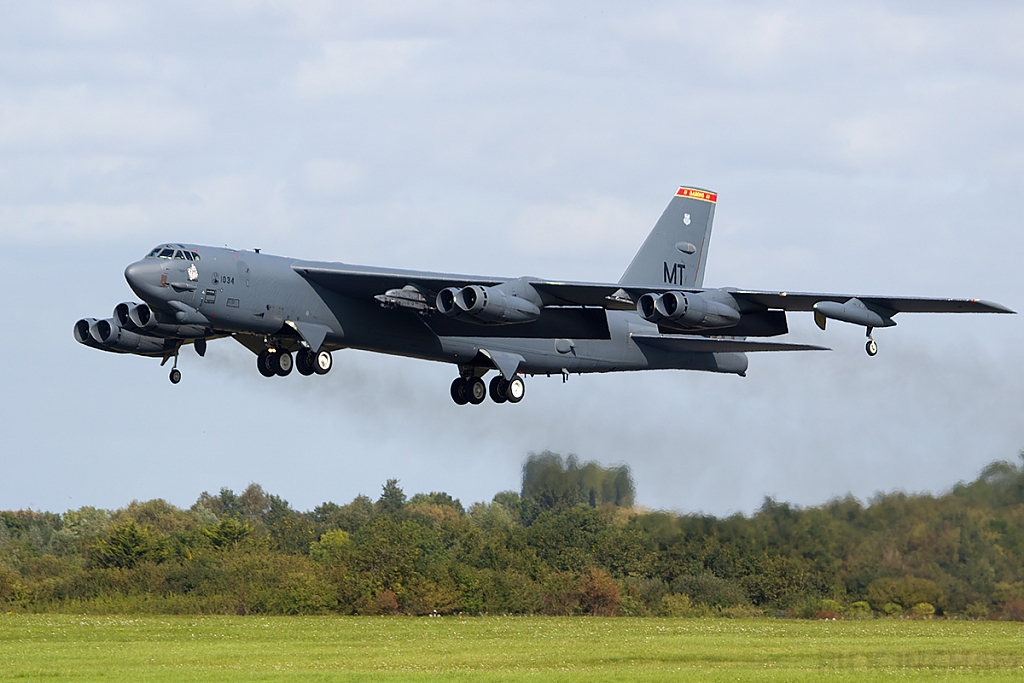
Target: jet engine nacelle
687, 310
500, 305
141, 317
109, 335
82, 335
122, 313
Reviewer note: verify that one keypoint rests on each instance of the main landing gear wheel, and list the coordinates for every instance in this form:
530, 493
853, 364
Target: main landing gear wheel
476, 391
516, 389
304, 360
460, 391
284, 363
265, 363
499, 389
871, 347
175, 375
322, 362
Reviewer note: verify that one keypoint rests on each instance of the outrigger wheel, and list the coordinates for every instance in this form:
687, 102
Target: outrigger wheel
175, 375
871, 347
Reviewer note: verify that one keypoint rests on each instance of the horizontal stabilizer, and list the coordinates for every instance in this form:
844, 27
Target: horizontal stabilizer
683, 343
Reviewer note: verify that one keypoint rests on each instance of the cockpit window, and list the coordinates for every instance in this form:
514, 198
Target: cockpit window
188, 255
195, 255
166, 253
154, 253
179, 255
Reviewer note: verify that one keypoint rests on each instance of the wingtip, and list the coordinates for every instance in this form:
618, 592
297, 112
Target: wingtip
996, 308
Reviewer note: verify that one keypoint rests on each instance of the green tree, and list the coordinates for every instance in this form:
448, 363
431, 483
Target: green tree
128, 544
392, 499
228, 532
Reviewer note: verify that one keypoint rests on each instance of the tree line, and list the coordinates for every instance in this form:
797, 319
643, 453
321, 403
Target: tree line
571, 541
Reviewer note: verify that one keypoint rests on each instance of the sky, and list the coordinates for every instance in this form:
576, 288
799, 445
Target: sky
863, 148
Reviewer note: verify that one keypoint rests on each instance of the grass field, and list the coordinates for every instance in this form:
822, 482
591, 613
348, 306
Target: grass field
212, 649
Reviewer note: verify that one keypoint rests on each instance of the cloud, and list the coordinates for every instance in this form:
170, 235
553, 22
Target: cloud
78, 116
73, 222
330, 176
94, 20
587, 225
353, 67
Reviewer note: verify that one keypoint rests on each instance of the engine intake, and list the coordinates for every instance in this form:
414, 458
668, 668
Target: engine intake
122, 313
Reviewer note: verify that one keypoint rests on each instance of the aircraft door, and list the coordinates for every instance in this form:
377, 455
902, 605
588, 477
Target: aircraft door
241, 286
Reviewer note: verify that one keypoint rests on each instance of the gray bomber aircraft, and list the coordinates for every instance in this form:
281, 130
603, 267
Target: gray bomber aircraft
294, 313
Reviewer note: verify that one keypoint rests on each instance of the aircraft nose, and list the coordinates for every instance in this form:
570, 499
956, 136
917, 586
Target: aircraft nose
144, 277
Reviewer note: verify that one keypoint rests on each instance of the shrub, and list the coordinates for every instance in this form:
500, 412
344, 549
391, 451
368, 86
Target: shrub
1014, 609
891, 609
735, 612
710, 589
922, 610
859, 610
633, 607
976, 610
906, 591
646, 592
599, 593
385, 602
679, 605
828, 609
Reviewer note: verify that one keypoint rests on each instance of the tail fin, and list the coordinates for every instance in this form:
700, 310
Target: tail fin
676, 250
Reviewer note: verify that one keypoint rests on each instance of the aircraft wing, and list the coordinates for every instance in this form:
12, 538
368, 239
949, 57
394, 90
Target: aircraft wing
693, 344
359, 281
804, 301
363, 281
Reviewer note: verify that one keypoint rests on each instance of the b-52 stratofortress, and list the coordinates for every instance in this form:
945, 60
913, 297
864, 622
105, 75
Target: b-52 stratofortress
293, 314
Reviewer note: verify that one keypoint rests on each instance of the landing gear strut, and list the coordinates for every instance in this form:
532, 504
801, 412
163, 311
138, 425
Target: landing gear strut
871, 347
175, 375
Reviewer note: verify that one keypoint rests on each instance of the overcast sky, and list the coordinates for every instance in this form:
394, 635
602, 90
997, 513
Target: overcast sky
856, 147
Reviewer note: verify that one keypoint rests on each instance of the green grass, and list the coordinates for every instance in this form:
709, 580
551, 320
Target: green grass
211, 649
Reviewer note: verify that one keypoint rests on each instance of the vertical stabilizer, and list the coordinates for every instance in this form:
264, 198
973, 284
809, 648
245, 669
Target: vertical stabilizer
676, 250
